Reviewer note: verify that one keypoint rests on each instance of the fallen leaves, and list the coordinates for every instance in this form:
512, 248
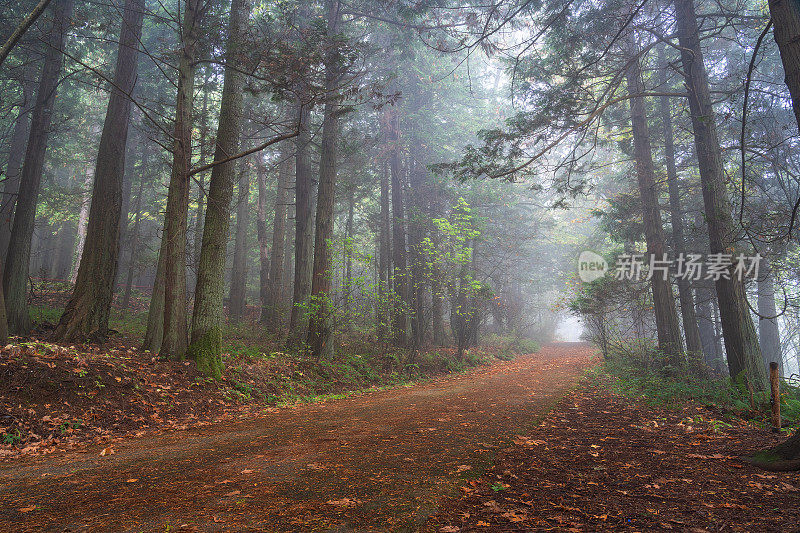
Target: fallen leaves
344, 502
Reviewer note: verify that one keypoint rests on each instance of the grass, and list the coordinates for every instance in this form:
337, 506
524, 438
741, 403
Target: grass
661, 389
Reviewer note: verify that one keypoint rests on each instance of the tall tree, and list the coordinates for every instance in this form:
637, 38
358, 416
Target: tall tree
685, 296
303, 222
174, 334
399, 275
272, 298
320, 335
741, 342
88, 310
238, 292
16, 155
15, 276
667, 327
206, 346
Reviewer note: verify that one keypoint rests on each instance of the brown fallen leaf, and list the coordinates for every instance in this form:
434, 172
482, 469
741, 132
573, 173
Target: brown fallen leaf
132, 480
27, 509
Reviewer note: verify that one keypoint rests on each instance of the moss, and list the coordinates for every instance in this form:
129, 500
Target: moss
207, 353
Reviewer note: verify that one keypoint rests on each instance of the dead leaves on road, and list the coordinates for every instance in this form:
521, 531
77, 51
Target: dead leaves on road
604, 463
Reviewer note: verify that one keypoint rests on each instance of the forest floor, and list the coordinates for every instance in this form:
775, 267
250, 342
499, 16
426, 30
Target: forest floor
605, 462
378, 461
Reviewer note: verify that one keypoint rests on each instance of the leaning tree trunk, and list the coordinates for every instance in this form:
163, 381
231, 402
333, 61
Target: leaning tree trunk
320, 331
741, 342
238, 292
175, 334
272, 304
206, 348
15, 277
88, 310
785, 16
669, 334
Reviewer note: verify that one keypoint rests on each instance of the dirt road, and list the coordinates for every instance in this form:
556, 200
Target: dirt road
379, 461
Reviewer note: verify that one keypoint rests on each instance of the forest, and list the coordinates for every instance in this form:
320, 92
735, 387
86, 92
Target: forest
399, 265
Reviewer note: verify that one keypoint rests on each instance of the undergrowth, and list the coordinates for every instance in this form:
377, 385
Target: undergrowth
671, 388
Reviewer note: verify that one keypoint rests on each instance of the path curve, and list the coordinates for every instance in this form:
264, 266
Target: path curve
379, 461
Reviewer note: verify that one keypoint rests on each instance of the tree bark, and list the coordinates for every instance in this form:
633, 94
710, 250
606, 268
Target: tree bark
669, 335
238, 296
15, 276
741, 343
320, 331
87, 312
206, 348
175, 333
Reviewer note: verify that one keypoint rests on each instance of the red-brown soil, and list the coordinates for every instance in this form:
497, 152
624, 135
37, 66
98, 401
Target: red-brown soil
380, 461
601, 462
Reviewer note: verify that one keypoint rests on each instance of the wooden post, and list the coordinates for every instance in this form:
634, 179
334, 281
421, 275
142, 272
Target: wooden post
774, 379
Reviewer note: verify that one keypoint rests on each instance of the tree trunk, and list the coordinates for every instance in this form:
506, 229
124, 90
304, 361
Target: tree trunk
154, 333
768, 331
272, 310
134, 246
15, 277
201, 193
741, 342
383, 254
88, 310
83, 223
303, 226
685, 296
261, 234
399, 277
669, 335
238, 296
175, 334
348, 260
705, 325
320, 331
16, 155
206, 348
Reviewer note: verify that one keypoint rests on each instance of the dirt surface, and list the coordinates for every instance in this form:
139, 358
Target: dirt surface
602, 462
381, 461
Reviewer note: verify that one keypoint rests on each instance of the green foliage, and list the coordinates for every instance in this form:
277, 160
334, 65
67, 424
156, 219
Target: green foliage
660, 388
